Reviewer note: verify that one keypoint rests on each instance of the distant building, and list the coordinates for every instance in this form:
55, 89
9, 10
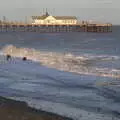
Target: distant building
54, 20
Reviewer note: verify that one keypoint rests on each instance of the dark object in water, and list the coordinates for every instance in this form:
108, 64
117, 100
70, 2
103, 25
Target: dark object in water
8, 57
24, 58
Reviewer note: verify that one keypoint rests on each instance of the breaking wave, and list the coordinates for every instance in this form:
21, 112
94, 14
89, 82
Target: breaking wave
65, 62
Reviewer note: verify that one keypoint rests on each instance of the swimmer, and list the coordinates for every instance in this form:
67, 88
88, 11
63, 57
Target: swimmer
8, 57
24, 58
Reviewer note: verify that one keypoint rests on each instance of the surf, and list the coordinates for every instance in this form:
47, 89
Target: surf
65, 61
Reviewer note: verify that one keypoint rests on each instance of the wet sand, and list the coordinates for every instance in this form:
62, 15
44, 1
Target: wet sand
16, 110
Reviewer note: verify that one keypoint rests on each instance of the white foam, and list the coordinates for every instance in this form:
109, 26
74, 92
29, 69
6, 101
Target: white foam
65, 62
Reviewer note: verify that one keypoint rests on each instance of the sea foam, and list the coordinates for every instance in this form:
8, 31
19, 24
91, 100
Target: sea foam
65, 62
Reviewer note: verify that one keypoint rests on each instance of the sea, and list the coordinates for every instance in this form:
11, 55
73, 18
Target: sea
74, 74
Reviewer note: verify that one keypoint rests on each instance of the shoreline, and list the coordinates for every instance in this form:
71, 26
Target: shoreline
17, 110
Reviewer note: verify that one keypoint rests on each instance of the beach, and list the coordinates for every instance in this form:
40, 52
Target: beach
16, 110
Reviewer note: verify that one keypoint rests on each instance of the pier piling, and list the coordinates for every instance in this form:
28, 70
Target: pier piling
56, 28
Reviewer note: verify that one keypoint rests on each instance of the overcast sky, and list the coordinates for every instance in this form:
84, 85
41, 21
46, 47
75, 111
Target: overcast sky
98, 10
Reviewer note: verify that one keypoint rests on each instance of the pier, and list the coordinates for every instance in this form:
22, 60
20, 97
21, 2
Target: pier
52, 24
99, 28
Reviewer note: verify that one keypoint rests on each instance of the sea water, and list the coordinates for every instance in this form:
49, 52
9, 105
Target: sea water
71, 74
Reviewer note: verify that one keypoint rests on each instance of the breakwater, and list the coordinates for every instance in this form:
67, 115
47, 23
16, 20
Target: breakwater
56, 28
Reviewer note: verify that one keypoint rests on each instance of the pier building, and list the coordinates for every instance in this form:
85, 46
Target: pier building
47, 19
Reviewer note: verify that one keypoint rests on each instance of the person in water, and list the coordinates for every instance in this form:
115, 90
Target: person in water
24, 58
8, 57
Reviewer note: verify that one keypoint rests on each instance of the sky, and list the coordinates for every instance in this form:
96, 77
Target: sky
96, 10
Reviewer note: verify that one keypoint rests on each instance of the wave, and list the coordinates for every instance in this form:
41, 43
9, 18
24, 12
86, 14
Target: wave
65, 62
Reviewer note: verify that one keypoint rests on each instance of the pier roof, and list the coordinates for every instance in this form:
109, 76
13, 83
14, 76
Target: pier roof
64, 17
40, 17
56, 17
